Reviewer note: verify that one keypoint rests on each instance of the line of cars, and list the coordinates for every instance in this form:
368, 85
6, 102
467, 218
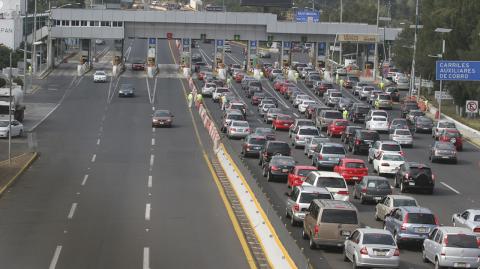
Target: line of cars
318, 196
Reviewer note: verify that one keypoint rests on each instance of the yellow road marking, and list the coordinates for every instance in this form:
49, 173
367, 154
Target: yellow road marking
231, 215
24, 167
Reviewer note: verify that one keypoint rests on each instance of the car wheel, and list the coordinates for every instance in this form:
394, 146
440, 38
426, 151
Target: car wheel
286, 214
403, 188
304, 234
362, 199
311, 243
269, 176
370, 160
355, 193
293, 222
354, 263
437, 264
345, 258
396, 182
424, 256
376, 215
354, 152
20, 134
430, 191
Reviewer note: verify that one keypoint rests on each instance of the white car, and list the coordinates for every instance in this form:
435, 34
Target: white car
383, 146
218, 93
469, 219
390, 202
332, 181
403, 137
299, 98
403, 83
238, 129
16, 127
208, 88
302, 107
364, 93
387, 163
377, 123
100, 76
304, 133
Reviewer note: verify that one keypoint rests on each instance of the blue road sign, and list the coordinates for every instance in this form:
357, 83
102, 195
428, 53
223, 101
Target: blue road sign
186, 41
253, 43
321, 48
286, 44
458, 70
152, 41
219, 42
307, 16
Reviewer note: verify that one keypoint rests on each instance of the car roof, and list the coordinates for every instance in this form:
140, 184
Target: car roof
374, 230
309, 167
375, 178
416, 209
327, 174
456, 230
313, 189
399, 196
351, 160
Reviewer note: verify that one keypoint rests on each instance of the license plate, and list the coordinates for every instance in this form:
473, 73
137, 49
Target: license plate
284, 170
160, 123
445, 157
421, 230
286, 124
346, 233
460, 264
354, 177
334, 159
380, 253
256, 147
411, 183
378, 198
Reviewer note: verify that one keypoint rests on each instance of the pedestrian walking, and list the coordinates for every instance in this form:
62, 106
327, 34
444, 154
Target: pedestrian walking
190, 99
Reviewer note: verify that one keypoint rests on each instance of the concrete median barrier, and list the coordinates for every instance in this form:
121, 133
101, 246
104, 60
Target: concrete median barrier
11, 171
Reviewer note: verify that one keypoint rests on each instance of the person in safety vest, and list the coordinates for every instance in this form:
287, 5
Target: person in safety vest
199, 99
224, 101
382, 85
190, 99
345, 114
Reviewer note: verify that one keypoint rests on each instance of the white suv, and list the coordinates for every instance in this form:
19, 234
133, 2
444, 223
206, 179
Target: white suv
332, 181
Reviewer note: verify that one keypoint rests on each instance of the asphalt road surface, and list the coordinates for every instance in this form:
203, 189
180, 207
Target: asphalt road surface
456, 186
108, 191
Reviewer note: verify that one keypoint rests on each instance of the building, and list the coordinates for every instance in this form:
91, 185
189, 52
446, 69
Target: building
11, 26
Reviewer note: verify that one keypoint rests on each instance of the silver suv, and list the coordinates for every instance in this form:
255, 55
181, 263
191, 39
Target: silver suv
451, 247
304, 132
299, 200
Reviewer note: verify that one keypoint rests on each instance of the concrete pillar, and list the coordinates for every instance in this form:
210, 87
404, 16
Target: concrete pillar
50, 55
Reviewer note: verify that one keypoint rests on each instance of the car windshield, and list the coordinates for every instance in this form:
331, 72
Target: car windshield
239, 107
306, 123
379, 119
262, 131
210, 85
339, 216
476, 218
308, 102
378, 239
445, 146
355, 165
162, 113
341, 123
308, 197
257, 141
403, 132
274, 110
370, 135
368, 89
378, 183
461, 241
304, 172
384, 97
268, 105
353, 79
421, 218
333, 115
284, 118
424, 120
391, 147
446, 125
336, 94
308, 131
240, 124
380, 113
362, 109
315, 78
333, 150
404, 202
283, 161
278, 147
259, 94
319, 140
222, 90
411, 106
394, 158
126, 87
417, 113
100, 73
331, 182
416, 170
235, 117
452, 134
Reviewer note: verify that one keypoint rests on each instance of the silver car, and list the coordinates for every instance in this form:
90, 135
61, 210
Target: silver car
451, 247
238, 129
271, 114
298, 139
390, 202
312, 142
402, 137
440, 126
299, 200
364, 93
327, 155
333, 98
469, 219
369, 247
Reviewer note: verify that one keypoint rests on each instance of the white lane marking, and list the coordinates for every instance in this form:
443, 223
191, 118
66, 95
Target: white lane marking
148, 91
153, 108
153, 130
154, 90
146, 258
101, 129
94, 157
147, 211
149, 184
152, 158
259, 120
72, 210
153, 141
98, 141
280, 99
103, 118
84, 180
296, 115
56, 255
450, 187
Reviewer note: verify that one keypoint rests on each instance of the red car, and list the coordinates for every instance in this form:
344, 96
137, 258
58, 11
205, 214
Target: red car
138, 65
353, 170
282, 122
298, 175
337, 127
239, 76
322, 88
201, 76
277, 84
453, 136
285, 86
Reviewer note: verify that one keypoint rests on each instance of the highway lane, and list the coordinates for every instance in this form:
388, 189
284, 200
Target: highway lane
111, 192
444, 202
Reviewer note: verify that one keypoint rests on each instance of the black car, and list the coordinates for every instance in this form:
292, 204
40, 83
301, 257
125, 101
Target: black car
371, 188
412, 175
273, 148
126, 90
343, 103
361, 140
394, 93
279, 166
252, 83
399, 123
311, 79
423, 125
252, 90
253, 144
407, 106
358, 111
443, 151
349, 131
267, 132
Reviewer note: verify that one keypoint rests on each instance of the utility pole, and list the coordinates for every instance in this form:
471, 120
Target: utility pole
10, 117
34, 39
25, 23
341, 20
412, 75
375, 58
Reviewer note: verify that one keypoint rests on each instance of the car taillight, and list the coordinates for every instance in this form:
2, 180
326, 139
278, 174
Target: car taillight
274, 167
445, 243
233, 129
357, 142
477, 230
402, 153
297, 137
407, 175
364, 189
316, 229
478, 243
404, 224
320, 157
397, 252
296, 207
342, 192
247, 130
385, 164
436, 221
364, 251
433, 177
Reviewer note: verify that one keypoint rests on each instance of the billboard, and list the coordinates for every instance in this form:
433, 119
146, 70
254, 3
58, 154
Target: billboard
307, 16
267, 3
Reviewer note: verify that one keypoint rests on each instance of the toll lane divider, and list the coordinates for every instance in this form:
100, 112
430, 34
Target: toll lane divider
277, 255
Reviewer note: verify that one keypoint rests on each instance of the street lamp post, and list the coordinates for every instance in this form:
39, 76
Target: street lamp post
375, 57
442, 31
412, 74
384, 19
